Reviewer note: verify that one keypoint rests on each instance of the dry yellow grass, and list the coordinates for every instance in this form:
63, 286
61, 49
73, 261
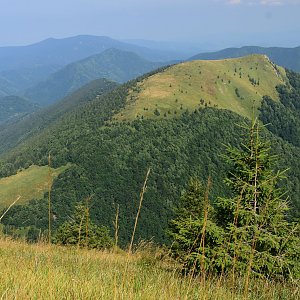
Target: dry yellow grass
53, 272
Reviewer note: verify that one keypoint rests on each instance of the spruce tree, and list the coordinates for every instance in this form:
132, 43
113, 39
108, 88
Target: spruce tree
195, 237
247, 233
259, 238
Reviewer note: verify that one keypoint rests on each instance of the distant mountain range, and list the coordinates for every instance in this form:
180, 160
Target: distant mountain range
286, 57
22, 67
46, 71
113, 64
60, 52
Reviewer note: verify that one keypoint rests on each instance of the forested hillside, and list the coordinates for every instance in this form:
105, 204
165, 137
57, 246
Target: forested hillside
284, 117
110, 159
17, 130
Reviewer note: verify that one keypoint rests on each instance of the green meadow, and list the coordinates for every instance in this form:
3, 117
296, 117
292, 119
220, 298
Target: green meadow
234, 84
29, 184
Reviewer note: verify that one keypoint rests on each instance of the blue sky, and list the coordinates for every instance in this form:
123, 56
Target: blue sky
212, 24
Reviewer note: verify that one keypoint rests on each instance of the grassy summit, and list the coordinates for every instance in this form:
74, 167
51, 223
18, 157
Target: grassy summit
229, 84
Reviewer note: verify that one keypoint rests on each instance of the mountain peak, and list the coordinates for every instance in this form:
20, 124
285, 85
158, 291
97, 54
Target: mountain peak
235, 84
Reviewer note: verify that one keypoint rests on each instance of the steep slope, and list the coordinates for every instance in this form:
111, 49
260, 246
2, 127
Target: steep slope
232, 84
286, 57
284, 117
14, 107
113, 64
16, 131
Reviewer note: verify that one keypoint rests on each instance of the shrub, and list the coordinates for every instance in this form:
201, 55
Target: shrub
82, 232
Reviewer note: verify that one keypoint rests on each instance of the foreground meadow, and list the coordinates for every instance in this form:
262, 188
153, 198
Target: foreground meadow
52, 272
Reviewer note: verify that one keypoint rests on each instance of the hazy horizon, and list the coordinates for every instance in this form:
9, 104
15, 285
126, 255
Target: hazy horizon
206, 25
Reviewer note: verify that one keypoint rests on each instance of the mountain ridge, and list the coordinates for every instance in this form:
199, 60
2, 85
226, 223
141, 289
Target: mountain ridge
286, 57
63, 51
236, 84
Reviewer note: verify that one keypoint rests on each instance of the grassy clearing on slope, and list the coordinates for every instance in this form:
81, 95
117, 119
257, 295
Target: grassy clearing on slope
52, 272
31, 183
229, 84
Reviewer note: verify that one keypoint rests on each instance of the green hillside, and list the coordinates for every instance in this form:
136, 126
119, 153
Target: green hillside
232, 84
14, 107
16, 131
111, 64
29, 184
286, 57
110, 158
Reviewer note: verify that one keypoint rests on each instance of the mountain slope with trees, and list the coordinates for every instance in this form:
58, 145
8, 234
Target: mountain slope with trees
17, 130
110, 158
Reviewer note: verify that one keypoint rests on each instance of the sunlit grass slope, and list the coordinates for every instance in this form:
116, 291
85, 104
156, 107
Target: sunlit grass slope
52, 272
229, 84
31, 183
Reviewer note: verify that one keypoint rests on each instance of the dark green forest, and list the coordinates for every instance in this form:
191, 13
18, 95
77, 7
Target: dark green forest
110, 159
284, 117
